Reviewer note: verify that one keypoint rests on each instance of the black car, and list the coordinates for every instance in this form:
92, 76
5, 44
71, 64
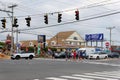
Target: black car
113, 55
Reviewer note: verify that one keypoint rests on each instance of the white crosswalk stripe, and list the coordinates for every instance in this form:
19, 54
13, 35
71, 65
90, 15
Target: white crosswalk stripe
79, 78
94, 77
105, 75
54, 78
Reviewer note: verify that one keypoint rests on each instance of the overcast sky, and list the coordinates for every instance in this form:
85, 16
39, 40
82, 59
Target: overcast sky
36, 9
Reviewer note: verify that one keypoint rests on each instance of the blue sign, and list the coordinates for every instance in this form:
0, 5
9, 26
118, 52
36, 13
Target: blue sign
94, 37
41, 38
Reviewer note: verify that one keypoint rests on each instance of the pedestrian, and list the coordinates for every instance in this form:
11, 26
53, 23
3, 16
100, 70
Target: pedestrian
74, 55
79, 54
35, 49
53, 54
66, 55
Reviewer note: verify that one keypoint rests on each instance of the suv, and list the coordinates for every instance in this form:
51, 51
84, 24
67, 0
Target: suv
22, 54
98, 55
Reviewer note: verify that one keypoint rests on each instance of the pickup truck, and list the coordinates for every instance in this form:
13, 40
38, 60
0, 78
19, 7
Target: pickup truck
22, 54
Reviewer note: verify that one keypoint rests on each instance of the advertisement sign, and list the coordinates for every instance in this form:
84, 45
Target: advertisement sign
94, 37
41, 38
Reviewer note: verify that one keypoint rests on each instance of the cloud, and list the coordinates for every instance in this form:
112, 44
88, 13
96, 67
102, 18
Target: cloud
37, 8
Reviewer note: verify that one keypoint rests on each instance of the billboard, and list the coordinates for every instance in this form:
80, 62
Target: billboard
94, 37
41, 38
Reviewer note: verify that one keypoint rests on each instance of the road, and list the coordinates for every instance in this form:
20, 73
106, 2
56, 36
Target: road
59, 69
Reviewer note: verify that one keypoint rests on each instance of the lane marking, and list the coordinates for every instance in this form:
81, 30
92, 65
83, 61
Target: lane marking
36, 79
102, 75
79, 78
94, 77
54, 78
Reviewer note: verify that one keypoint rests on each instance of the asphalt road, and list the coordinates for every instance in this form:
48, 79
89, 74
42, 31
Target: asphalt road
52, 69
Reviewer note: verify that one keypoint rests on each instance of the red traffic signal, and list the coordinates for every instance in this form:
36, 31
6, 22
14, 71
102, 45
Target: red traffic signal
77, 15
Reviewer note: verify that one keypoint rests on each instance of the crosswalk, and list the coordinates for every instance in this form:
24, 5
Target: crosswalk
105, 75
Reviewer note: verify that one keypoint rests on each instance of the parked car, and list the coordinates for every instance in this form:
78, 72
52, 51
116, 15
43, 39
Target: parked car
113, 55
62, 55
22, 54
98, 55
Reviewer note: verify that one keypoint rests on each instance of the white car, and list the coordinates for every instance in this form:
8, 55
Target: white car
22, 55
98, 55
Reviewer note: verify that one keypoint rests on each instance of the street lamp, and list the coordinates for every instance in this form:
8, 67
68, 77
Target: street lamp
110, 28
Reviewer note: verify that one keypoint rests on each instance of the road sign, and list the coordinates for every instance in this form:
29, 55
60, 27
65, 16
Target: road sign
41, 38
94, 37
107, 44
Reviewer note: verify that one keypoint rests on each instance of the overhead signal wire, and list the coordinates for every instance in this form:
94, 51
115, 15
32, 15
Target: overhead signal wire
100, 16
83, 7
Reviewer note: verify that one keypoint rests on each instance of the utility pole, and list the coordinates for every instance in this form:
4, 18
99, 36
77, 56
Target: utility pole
12, 37
110, 28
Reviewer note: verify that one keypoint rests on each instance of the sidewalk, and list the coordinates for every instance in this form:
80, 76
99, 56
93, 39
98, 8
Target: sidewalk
3, 56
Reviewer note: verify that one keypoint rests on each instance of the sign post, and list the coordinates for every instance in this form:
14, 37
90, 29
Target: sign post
107, 44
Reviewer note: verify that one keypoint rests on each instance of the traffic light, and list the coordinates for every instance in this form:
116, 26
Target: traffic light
28, 21
15, 22
46, 19
77, 15
59, 17
3, 23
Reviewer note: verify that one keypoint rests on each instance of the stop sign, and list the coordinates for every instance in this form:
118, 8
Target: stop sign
107, 44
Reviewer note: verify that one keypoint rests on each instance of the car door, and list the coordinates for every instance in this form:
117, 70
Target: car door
103, 55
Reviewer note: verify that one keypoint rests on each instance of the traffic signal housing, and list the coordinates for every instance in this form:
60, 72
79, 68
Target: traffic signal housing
59, 17
3, 23
46, 19
15, 22
77, 15
28, 19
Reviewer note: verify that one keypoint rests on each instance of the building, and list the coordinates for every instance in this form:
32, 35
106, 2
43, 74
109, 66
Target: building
67, 39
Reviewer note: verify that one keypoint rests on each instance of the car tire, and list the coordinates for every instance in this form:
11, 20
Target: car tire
26, 58
12, 58
97, 57
105, 57
17, 57
31, 57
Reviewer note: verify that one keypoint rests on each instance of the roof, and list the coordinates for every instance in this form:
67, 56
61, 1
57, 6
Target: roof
26, 43
63, 35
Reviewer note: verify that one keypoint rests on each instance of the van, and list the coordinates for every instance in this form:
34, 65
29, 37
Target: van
88, 50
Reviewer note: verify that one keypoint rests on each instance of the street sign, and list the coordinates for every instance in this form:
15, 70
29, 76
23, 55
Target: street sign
41, 38
107, 44
94, 37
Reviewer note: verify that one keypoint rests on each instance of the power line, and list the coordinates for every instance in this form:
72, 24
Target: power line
83, 7
72, 21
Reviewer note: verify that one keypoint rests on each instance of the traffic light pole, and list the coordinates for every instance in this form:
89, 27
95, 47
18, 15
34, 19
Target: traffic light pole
12, 38
110, 28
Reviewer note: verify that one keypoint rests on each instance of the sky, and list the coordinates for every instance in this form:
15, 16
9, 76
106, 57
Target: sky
88, 9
